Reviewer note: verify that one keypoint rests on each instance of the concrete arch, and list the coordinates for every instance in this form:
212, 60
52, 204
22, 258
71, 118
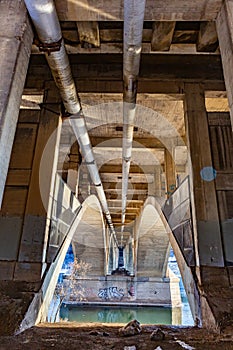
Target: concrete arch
89, 238
152, 243
91, 213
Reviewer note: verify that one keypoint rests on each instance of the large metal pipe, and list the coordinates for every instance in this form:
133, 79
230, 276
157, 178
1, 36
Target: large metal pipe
133, 27
45, 20
79, 127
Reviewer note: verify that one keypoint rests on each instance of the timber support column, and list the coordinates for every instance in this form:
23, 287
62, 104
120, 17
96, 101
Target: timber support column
24, 218
206, 225
15, 47
224, 26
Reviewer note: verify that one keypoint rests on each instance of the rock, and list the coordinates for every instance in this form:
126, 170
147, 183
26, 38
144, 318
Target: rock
158, 348
133, 347
157, 334
106, 334
94, 333
131, 328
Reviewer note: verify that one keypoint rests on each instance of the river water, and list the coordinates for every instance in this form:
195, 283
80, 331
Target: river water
124, 314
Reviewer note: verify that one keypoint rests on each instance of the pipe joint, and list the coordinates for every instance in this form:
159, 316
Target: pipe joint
50, 47
89, 163
127, 159
130, 84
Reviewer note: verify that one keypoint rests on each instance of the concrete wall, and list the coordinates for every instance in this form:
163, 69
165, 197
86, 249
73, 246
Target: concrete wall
148, 290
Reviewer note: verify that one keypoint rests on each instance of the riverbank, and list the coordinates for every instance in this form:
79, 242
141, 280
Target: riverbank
69, 335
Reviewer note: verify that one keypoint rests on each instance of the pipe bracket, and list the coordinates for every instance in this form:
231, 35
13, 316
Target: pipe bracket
50, 47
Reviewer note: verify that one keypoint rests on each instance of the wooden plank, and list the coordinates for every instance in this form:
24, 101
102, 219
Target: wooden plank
88, 34
113, 10
162, 34
207, 37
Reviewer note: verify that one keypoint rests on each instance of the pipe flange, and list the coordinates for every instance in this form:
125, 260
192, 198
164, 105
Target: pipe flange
50, 47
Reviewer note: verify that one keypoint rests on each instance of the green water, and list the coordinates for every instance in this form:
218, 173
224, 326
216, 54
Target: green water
116, 314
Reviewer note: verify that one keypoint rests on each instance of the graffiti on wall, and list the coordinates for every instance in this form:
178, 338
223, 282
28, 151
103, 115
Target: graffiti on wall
110, 293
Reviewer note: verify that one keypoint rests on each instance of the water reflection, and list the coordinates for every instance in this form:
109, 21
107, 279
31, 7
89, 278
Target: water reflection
103, 314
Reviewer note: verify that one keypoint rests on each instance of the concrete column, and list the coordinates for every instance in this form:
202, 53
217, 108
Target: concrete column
72, 180
15, 47
154, 188
204, 204
110, 260
130, 258
23, 218
224, 26
73, 171
170, 171
35, 231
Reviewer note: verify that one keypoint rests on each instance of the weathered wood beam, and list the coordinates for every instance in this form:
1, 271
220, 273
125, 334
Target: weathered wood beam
113, 10
207, 37
162, 35
89, 35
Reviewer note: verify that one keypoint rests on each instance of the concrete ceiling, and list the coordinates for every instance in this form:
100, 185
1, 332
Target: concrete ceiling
179, 43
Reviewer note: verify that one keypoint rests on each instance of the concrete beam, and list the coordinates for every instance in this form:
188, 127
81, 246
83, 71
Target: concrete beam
15, 48
162, 35
112, 10
224, 25
207, 37
88, 34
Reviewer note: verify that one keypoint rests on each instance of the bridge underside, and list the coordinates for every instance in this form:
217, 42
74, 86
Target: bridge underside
180, 181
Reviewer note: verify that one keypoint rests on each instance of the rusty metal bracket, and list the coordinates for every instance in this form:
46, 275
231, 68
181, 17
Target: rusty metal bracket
49, 47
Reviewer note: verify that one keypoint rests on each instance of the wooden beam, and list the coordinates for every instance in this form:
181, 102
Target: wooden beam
88, 34
162, 36
207, 37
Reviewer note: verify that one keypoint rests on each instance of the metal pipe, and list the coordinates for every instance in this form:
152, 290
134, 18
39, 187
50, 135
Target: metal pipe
45, 20
79, 127
133, 26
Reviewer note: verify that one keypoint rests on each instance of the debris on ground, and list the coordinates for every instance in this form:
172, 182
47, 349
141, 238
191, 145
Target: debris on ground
76, 336
157, 334
131, 328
